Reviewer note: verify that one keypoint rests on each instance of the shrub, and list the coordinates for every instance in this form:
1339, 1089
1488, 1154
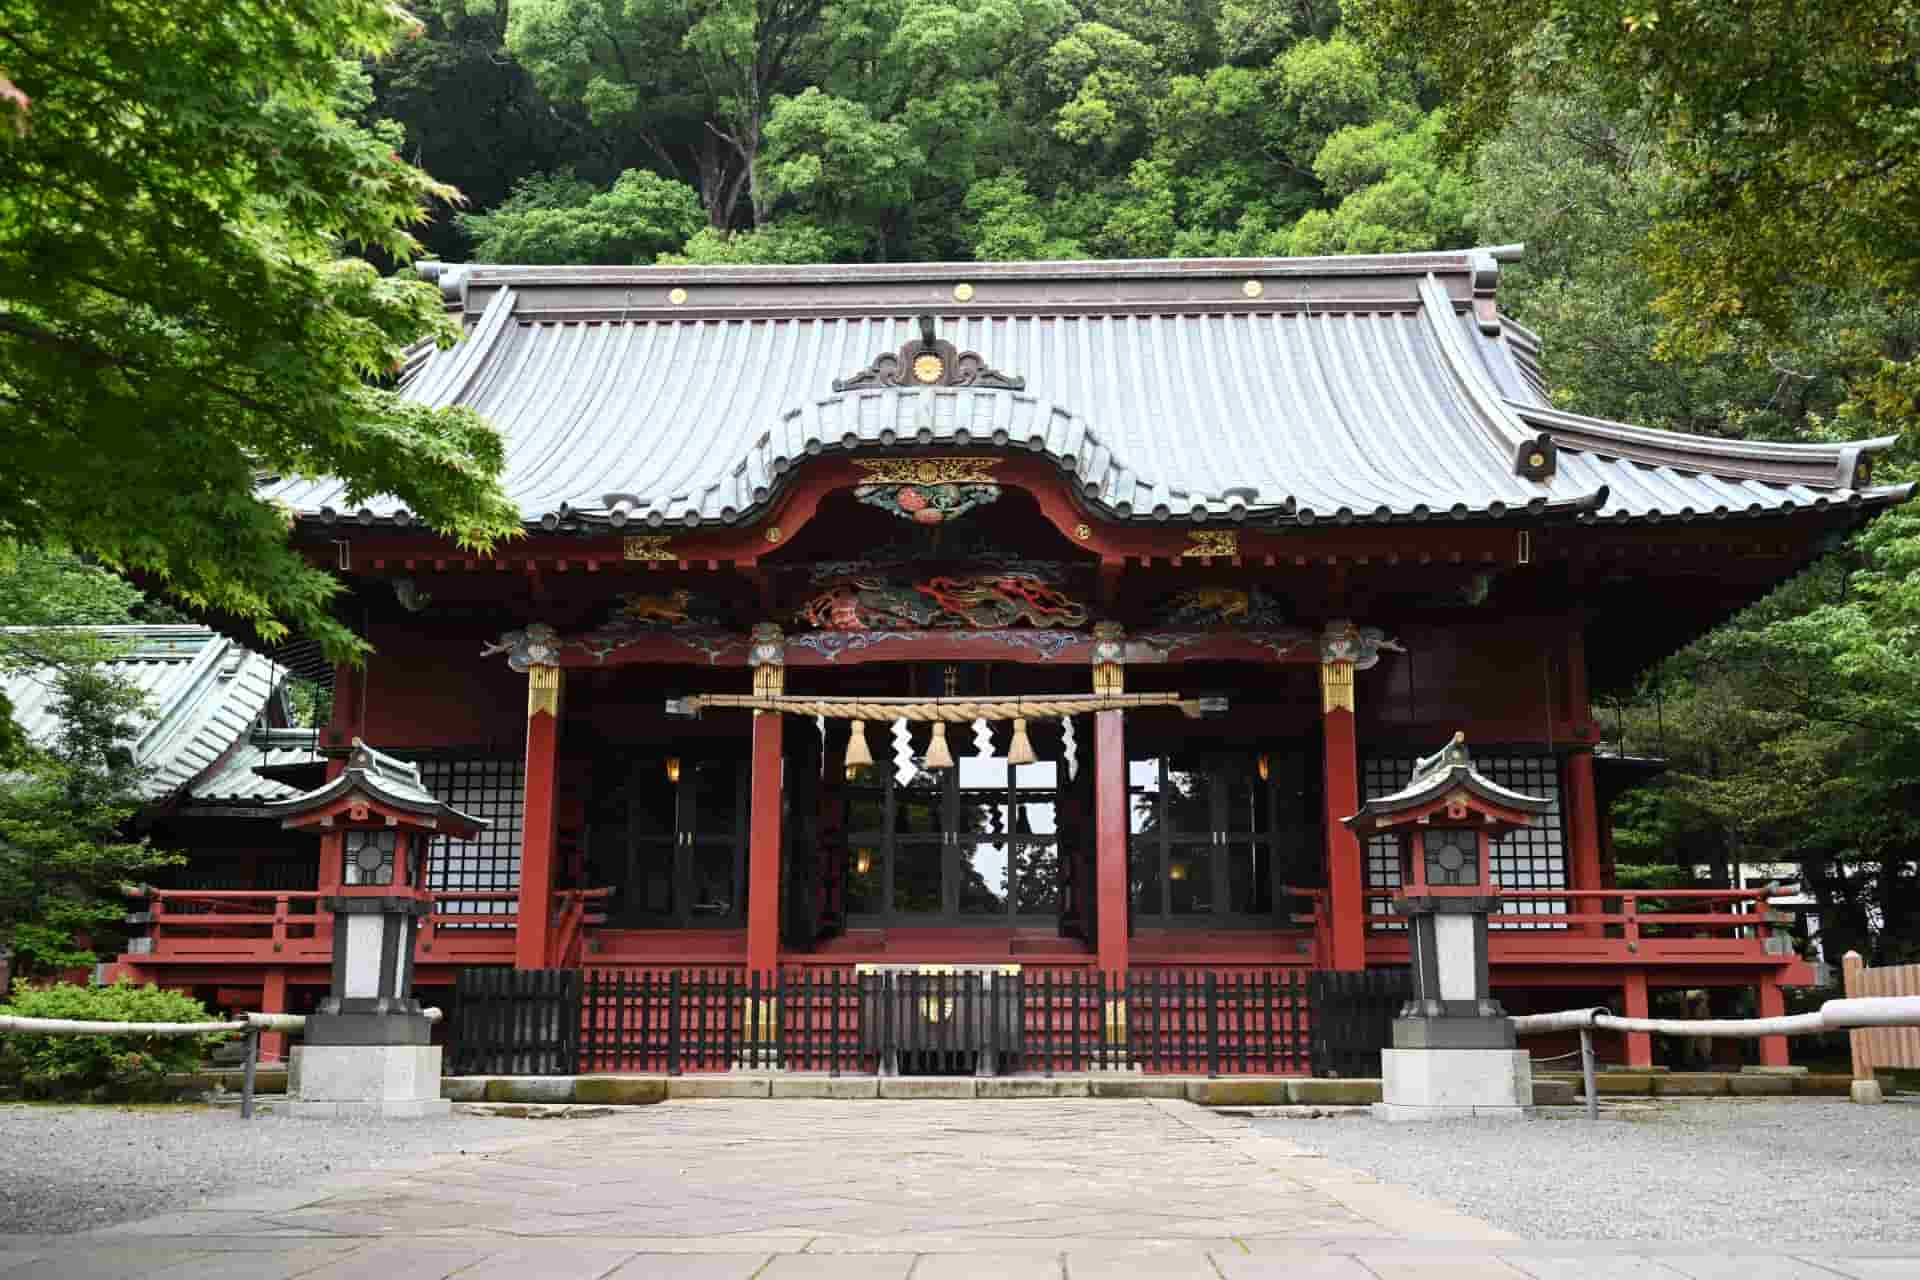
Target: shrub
112, 1065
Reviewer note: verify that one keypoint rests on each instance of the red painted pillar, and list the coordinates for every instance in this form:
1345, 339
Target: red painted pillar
1634, 997
1773, 1004
1346, 867
1110, 840
763, 856
539, 830
1583, 835
273, 999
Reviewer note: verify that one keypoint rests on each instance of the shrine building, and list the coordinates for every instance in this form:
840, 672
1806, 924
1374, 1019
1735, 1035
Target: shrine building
1051, 615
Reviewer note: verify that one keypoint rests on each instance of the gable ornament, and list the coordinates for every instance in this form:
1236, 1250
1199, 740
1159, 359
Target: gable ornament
929, 361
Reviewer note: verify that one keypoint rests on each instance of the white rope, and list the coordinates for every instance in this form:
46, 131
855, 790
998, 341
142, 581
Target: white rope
1834, 1015
292, 1022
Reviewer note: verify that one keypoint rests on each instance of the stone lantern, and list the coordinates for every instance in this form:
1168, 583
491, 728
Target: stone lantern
1453, 1046
368, 1049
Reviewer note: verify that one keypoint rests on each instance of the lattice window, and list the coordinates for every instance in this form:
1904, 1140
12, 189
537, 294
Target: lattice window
490, 862
1534, 858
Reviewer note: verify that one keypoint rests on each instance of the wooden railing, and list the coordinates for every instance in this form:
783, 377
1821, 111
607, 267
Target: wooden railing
264, 925
1539, 926
220, 923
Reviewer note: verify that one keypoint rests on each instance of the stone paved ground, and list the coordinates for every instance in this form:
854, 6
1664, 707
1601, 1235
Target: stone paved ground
1065, 1189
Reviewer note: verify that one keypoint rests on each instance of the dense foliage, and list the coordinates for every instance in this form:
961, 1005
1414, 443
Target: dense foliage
116, 1065
64, 802
1719, 199
177, 185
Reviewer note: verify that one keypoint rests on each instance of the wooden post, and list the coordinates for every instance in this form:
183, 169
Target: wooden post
1583, 824
273, 999
1110, 841
539, 813
1773, 1004
765, 837
1346, 865
1634, 997
1852, 966
763, 857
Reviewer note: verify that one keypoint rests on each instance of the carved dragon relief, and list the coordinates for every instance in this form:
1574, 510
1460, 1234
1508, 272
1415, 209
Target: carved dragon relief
929, 361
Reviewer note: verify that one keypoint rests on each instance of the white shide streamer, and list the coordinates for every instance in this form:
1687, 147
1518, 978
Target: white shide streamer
903, 767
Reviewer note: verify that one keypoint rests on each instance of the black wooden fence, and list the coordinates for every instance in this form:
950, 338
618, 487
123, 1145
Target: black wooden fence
1353, 1018
1281, 1021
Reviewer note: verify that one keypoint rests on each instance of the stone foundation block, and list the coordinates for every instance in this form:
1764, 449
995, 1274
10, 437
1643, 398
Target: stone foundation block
390, 1109
1867, 1091
1358, 1091
927, 1087
1744, 1086
1403, 1115
463, 1088
1026, 1087
1554, 1093
1443, 1080
1137, 1087
390, 1081
1690, 1084
1623, 1082
529, 1089
843, 1088
719, 1087
620, 1091
1237, 1093
1827, 1086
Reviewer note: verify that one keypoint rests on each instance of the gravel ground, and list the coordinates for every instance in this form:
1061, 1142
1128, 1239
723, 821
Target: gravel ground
1774, 1172
69, 1168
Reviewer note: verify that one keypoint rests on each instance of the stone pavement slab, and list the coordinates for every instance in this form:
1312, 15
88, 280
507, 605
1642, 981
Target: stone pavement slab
745, 1189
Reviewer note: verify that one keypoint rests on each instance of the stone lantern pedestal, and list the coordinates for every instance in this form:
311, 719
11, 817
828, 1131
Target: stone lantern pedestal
369, 1048
1454, 1052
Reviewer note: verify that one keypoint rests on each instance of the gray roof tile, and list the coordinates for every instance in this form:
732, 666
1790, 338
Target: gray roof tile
1353, 389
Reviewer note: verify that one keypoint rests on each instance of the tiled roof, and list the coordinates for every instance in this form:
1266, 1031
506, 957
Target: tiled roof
235, 781
388, 779
1279, 390
204, 692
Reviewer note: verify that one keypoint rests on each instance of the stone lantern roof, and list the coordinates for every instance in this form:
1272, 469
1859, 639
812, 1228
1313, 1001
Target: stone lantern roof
1447, 783
375, 784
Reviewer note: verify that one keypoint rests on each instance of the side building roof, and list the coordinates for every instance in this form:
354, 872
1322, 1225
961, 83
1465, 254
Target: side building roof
1286, 391
204, 694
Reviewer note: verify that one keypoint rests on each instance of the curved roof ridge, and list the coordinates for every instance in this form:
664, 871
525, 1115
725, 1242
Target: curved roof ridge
1498, 423
1820, 466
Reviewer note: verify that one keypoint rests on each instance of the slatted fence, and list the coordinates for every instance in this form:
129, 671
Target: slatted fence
1353, 1016
1274, 1021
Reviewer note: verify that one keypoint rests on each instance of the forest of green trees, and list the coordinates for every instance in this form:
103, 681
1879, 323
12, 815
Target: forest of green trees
1719, 199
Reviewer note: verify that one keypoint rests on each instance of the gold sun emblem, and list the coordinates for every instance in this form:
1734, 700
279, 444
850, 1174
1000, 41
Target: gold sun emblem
928, 368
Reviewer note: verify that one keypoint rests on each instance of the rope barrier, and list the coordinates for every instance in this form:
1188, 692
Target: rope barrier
952, 710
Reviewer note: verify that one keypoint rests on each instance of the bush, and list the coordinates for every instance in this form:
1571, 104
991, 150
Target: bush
118, 1066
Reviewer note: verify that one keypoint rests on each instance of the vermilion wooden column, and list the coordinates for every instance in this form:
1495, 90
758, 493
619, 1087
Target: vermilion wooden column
1634, 997
273, 999
763, 857
1773, 1004
1583, 835
539, 829
1346, 868
1110, 840
767, 656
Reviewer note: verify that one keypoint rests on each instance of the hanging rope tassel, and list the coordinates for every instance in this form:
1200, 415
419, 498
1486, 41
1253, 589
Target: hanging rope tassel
938, 757
857, 753
1021, 750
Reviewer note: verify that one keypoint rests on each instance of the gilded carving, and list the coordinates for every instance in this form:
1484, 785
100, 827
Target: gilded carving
647, 546
928, 503
543, 691
1336, 687
669, 609
948, 469
929, 361
1223, 607
1212, 542
977, 601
